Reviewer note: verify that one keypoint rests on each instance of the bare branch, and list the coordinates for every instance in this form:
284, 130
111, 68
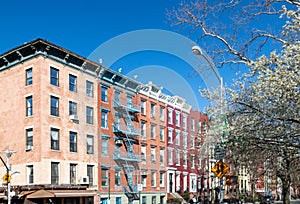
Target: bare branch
226, 43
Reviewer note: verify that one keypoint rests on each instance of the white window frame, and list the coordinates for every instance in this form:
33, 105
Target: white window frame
177, 118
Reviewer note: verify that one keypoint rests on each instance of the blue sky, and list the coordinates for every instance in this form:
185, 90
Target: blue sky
79, 26
84, 26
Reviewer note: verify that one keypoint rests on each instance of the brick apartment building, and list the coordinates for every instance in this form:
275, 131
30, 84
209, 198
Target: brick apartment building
48, 119
81, 133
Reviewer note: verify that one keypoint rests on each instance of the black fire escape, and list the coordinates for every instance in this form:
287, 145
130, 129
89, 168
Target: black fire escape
127, 135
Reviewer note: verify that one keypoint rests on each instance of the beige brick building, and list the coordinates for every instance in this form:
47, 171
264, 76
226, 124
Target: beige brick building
48, 119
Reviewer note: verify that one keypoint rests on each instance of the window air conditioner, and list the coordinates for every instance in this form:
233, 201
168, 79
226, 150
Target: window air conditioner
84, 180
119, 142
74, 117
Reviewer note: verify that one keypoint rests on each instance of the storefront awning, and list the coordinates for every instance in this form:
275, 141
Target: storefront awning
41, 194
73, 193
57, 193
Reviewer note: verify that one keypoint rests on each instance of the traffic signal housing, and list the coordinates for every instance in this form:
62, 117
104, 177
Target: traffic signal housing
231, 180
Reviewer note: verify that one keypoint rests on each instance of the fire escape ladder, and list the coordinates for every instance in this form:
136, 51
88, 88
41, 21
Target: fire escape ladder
127, 160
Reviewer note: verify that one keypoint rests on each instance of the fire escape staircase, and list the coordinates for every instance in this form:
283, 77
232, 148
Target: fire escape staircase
127, 136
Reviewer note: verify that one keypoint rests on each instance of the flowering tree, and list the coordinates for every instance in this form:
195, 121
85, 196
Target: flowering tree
263, 107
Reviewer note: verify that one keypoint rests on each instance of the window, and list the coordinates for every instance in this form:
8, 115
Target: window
104, 93
153, 127
104, 177
193, 183
162, 179
89, 115
129, 102
73, 142
162, 113
28, 76
104, 119
193, 124
152, 109
29, 139
170, 116
162, 156
199, 126
117, 121
72, 108
104, 145
54, 106
177, 137
54, 173
29, 109
73, 173
185, 140
153, 200
170, 156
192, 143
193, 162
117, 96
90, 174
185, 159
144, 200
143, 130
72, 83
118, 200
104, 201
89, 89
90, 144
143, 107
184, 122
54, 139
162, 133
199, 163
177, 157
177, 118
30, 174
117, 177
153, 178
54, 74
143, 152
170, 135
153, 154
144, 178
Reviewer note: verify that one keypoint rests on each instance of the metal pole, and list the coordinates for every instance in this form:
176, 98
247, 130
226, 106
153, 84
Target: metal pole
197, 51
8, 154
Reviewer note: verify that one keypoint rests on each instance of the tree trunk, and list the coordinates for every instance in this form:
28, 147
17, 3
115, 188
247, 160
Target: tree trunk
286, 191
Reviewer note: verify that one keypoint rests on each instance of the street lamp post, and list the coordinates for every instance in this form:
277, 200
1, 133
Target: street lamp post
197, 51
7, 176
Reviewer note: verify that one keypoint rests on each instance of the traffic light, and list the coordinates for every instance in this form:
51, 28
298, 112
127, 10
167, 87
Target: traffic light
231, 180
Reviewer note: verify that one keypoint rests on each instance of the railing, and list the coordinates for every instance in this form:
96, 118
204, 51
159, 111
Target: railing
132, 193
127, 156
126, 129
124, 103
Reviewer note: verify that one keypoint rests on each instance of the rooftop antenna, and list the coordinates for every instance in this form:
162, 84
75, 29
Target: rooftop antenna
120, 70
100, 60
